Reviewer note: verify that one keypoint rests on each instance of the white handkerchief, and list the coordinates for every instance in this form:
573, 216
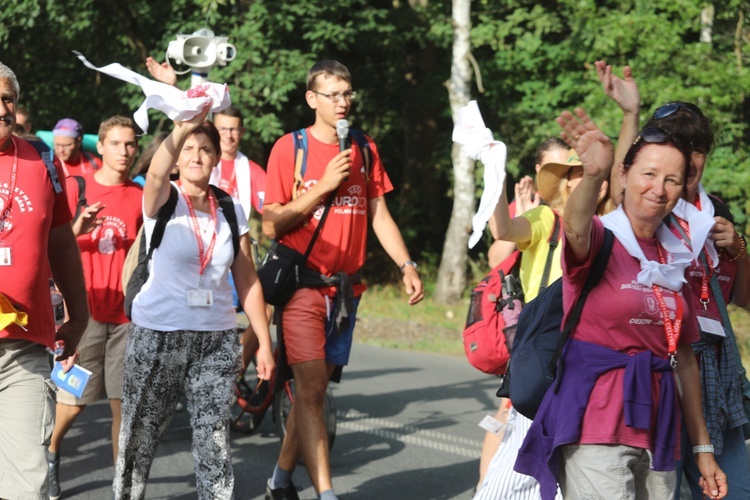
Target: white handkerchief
478, 143
175, 103
670, 275
470, 132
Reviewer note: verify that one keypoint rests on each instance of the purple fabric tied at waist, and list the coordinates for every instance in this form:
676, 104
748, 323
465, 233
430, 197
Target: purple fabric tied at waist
559, 419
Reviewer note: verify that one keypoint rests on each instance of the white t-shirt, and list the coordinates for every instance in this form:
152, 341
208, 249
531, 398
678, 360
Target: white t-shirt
175, 268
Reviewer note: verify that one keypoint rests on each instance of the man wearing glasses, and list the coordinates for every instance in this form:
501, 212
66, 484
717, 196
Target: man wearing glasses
245, 180
317, 323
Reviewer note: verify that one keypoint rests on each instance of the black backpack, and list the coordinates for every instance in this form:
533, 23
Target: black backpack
140, 273
541, 336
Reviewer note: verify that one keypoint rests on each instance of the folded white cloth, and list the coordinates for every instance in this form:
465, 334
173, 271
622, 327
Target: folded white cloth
176, 104
700, 223
670, 275
479, 144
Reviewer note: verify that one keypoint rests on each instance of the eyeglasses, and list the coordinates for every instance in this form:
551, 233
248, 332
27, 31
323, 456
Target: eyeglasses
231, 130
336, 96
672, 107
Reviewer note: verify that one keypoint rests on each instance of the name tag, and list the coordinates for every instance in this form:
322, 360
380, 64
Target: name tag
6, 254
200, 298
711, 326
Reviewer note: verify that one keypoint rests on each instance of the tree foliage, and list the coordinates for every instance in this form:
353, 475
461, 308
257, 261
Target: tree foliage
534, 59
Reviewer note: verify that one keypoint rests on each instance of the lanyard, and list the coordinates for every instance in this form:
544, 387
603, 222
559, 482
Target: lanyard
13, 175
706, 271
671, 328
204, 258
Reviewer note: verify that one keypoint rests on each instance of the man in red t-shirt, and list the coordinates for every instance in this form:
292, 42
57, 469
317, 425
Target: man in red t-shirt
292, 212
68, 140
105, 229
35, 239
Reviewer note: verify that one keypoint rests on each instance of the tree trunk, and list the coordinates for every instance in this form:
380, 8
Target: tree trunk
451, 280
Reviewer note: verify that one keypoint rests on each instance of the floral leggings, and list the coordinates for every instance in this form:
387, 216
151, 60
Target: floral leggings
159, 366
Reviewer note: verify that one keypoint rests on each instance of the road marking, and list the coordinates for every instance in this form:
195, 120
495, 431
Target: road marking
389, 429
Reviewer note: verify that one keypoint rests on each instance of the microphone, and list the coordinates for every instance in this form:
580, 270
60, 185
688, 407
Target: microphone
342, 130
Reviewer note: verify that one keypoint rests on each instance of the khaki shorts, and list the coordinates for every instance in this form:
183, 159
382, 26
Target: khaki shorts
102, 349
601, 471
27, 414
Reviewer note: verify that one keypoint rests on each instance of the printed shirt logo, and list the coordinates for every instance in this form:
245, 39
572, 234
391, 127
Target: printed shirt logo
21, 204
111, 235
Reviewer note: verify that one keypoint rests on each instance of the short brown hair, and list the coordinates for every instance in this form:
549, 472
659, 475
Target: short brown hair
328, 68
209, 129
117, 121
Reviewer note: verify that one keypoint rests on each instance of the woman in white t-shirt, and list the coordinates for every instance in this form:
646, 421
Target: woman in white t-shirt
183, 337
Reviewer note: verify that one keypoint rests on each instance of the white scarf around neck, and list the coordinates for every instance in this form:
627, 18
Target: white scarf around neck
670, 275
700, 223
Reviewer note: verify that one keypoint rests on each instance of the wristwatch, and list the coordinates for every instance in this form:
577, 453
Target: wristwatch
409, 263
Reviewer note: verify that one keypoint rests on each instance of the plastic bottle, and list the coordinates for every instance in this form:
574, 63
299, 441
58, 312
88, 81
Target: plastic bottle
58, 307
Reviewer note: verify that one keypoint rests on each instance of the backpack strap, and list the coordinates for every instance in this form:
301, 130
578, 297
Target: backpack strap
553, 241
81, 196
595, 275
364, 147
300, 160
162, 217
721, 209
227, 208
46, 154
90, 159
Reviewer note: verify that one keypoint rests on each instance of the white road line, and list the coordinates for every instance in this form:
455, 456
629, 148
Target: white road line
360, 422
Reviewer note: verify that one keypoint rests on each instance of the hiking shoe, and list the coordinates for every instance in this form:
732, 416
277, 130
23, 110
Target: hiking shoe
53, 480
288, 493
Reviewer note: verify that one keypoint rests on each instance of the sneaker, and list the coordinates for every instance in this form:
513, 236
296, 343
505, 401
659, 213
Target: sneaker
53, 480
288, 493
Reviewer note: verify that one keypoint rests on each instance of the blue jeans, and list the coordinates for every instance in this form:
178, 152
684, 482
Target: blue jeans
733, 461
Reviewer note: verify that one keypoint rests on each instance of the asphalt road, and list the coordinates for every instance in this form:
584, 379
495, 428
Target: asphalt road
407, 429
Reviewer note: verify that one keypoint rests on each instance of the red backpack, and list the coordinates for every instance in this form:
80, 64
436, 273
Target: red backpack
496, 303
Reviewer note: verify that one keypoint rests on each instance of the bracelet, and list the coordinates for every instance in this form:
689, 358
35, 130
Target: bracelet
743, 249
703, 448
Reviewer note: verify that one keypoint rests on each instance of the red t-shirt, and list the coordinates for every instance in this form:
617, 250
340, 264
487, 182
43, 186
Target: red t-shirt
34, 211
228, 181
342, 242
85, 164
631, 323
103, 250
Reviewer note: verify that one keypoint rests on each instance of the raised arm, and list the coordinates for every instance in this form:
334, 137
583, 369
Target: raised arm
596, 153
502, 227
624, 92
156, 188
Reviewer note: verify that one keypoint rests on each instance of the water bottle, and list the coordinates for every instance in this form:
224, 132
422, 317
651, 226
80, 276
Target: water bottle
58, 307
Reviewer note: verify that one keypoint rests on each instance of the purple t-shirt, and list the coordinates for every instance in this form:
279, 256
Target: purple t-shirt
623, 315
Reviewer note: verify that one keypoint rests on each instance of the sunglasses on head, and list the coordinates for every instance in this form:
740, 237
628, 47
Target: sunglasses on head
655, 135
672, 107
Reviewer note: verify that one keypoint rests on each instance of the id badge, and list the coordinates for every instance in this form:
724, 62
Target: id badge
711, 326
6, 254
200, 298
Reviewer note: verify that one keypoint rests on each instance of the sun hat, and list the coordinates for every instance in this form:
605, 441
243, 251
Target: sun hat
68, 127
549, 176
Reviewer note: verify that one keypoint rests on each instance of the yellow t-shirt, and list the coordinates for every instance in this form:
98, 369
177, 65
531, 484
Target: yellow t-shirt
535, 251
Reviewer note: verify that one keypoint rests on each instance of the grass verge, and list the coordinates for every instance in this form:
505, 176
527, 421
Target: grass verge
386, 319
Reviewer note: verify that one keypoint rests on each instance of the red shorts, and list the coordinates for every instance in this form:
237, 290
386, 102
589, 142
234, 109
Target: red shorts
306, 323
